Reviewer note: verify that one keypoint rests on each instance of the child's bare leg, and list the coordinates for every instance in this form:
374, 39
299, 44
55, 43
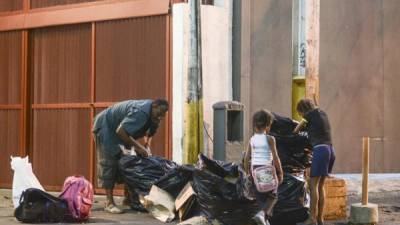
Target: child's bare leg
314, 181
321, 202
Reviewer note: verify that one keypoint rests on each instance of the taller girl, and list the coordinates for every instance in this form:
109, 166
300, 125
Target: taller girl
316, 123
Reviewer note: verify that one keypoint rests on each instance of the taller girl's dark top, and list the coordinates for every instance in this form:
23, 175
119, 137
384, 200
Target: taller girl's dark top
318, 127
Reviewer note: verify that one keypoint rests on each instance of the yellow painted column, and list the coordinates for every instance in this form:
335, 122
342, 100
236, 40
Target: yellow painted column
193, 130
193, 140
298, 92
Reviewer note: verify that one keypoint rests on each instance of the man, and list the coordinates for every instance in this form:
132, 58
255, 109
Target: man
122, 125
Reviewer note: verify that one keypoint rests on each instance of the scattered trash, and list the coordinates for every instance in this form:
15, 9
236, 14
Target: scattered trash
23, 178
198, 220
160, 204
185, 202
219, 199
293, 201
134, 200
176, 179
78, 192
37, 206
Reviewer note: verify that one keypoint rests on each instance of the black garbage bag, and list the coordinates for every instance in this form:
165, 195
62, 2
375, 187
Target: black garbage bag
282, 125
37, 206
217, 167
293, 149
293, 199
221, 198
292, 218
176, 179
294, 152
141, 173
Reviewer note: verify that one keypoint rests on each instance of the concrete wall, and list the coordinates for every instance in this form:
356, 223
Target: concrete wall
216, 28
359, 72
180, 30
359, 60
216, 31
266, 62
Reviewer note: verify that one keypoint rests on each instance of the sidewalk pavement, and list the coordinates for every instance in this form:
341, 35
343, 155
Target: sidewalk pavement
378, 183
98, 215
384, 189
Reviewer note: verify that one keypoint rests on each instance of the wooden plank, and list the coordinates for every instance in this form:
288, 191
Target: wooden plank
84, 13
103, 104
62, 106
24, 93
335, 182
13, 106
335, 208
92, 98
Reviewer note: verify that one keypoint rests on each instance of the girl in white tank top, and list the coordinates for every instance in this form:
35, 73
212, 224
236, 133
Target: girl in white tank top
260, 152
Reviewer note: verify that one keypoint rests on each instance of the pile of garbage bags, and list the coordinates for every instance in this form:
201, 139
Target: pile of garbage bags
221, 191
216, 190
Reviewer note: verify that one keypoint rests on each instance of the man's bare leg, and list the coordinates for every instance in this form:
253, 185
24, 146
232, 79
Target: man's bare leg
110, 197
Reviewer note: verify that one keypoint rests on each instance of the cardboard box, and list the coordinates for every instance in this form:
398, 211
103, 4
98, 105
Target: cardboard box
185, 201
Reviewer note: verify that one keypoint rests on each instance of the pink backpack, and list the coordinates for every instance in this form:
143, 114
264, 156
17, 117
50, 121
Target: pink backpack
79, 194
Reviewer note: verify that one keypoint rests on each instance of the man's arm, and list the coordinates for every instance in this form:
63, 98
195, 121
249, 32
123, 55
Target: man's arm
147, 141
129, 141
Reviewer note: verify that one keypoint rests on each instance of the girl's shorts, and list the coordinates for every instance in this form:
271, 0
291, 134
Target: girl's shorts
323, 160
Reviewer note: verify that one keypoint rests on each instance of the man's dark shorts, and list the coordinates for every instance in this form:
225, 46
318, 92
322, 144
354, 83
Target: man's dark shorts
107, 167
323, 160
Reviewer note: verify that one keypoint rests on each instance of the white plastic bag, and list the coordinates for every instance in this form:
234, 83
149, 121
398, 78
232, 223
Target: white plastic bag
160, 204
23, 178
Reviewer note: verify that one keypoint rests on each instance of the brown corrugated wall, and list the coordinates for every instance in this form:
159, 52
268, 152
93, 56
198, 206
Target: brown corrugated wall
58, 78
132, 67
61, 59
10, 101
10, 5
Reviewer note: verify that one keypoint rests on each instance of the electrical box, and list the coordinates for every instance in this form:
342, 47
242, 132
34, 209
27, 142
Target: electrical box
228, 131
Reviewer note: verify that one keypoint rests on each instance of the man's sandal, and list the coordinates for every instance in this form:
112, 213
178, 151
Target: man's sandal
113, 209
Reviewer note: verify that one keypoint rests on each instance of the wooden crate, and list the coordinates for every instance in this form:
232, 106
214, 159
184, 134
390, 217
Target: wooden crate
336, 199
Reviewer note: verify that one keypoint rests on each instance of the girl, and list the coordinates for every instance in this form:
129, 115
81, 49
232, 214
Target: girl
319, 132
262, 151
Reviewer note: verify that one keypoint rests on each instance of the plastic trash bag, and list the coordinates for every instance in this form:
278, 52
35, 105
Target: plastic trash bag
217, 167
23, 178
293, 201
223, 197
176, 179
141, 173
294, 150
283, 125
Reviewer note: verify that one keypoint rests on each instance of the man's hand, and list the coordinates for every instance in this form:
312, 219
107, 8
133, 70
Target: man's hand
141, 152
